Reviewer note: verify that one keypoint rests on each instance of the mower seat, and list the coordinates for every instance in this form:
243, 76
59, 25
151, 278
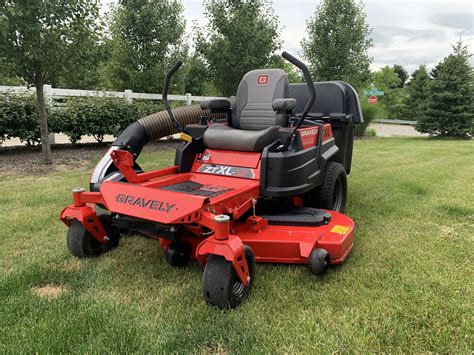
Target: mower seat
255, 122
221, 136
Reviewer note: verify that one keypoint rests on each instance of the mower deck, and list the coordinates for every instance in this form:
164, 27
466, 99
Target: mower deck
293, 244
182, 198
288, 244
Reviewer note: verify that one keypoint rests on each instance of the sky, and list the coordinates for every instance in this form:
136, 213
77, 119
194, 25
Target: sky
409, 33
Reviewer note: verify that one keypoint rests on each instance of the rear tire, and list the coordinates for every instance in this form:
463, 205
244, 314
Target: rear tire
221, 286
82, 244
332, 194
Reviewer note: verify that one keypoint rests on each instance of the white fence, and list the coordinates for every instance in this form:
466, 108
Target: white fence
129, 95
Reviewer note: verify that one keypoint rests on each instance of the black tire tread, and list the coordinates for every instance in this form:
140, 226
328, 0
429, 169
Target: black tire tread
218, 279
321, 197
79, 240
318, 261
75, 240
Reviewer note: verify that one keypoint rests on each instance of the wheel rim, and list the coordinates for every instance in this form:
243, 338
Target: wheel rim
337, 196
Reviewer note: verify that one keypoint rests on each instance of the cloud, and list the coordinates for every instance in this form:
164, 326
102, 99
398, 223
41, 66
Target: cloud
382, 38
409, 57
389, 35
454, 20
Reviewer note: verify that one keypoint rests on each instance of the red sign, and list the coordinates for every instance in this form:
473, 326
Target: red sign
372, 100
262, 80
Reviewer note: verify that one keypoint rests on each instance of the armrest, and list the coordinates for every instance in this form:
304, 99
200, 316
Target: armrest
216, 105
284, 104
196, 130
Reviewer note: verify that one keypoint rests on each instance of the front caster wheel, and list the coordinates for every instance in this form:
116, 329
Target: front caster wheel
318, 261
177, 253
82, 244
221, 286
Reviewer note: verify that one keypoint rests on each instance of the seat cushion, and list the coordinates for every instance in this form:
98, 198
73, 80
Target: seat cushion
220, 136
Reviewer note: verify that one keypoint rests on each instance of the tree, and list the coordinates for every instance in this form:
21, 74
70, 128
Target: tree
196, 77
7, 76
241, 36
450, 107
147, 38
402, 74
40, 39
337, 42
417, 93
294, 74
86, 74
387, 80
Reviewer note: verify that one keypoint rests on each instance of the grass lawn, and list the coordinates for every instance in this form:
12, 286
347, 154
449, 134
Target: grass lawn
407, 285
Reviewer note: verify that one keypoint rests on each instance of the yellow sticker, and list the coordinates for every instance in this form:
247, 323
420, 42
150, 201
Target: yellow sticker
340, 229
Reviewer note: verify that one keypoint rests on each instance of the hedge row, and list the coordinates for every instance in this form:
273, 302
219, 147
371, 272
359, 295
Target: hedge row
76, 117
19, 118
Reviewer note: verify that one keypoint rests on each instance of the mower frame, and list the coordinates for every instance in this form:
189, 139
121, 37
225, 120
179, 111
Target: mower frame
207, 204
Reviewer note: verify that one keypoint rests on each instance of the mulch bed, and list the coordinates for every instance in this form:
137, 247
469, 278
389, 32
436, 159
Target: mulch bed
21, 161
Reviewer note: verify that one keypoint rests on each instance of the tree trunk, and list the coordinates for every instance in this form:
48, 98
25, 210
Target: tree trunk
43, 122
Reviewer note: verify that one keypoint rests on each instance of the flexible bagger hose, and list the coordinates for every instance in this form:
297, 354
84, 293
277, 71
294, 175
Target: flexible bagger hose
159, 124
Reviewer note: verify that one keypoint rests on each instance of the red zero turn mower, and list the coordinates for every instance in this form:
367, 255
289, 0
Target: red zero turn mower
260, 178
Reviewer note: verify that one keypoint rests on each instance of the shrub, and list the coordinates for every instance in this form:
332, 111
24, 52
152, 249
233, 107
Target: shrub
370, 112
99, 116
370, 132
19, 118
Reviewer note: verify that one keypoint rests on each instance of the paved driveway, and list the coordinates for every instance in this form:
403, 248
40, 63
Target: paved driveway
390, 130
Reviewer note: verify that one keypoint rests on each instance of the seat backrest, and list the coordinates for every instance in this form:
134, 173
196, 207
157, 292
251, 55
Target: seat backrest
253, 102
